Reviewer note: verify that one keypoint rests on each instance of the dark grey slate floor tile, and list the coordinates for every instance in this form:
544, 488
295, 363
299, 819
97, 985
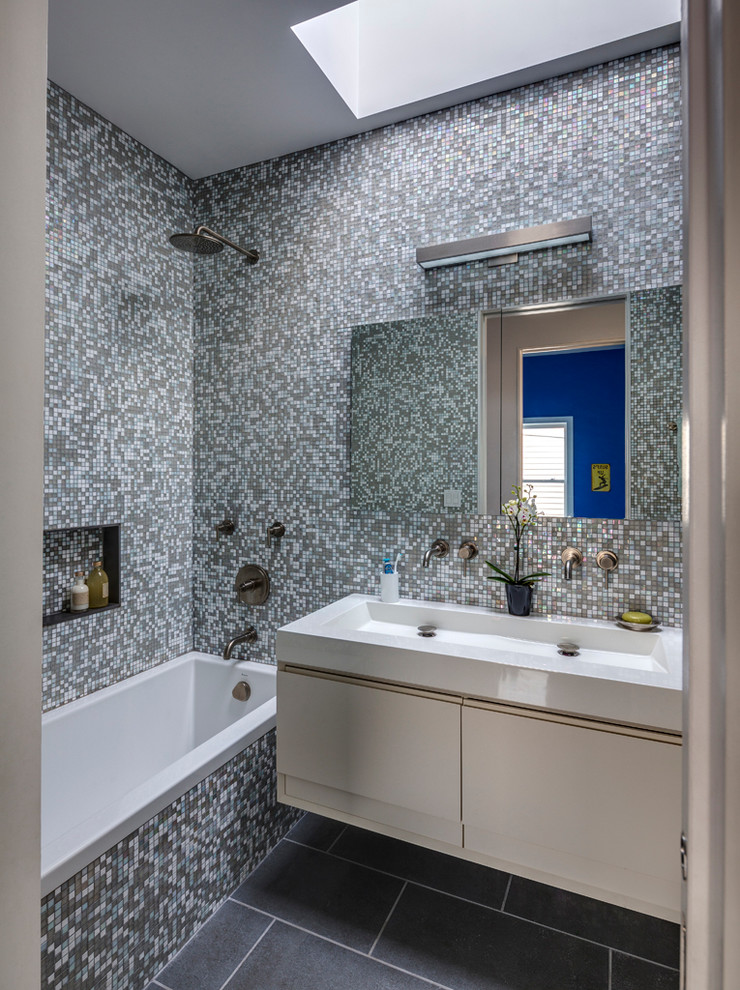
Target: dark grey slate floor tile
314, 830
469, 947
330, 896
288, 959
639, 934
635, 974
213, 954
424, 866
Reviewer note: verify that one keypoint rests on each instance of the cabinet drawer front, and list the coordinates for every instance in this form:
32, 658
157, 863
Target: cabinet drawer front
586, 795
396, 748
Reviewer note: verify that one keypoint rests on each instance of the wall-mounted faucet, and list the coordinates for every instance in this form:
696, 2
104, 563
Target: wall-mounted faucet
276, 531
225, 528
570, 556
248, 636
440, 548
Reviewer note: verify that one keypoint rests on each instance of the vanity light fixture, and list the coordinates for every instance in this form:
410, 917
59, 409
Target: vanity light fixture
510, 243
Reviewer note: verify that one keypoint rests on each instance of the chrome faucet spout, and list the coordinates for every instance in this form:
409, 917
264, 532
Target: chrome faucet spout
248, 636
440, 548
568, 570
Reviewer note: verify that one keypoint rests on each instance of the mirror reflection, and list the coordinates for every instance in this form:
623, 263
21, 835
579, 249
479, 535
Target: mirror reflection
582, 401
572, 432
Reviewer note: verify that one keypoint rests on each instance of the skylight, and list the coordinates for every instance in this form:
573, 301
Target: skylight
381, 54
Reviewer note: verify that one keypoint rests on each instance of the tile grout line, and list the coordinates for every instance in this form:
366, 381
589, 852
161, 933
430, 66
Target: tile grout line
155, 979
609, 980
341, 945
487, 907
388, 917
582, 938
228, 978
506, 893
337, 838
201, 926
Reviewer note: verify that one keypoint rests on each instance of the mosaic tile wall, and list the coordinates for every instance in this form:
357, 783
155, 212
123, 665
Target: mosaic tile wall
337, 227
414, 400
119, 393
120, 919
656, 394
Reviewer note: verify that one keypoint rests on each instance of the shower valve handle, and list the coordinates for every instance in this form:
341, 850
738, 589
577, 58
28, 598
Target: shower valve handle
277, 530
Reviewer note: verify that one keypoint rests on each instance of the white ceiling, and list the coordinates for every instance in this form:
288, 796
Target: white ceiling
214, 84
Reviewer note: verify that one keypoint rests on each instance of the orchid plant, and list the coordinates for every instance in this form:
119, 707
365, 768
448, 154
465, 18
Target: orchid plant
521, 511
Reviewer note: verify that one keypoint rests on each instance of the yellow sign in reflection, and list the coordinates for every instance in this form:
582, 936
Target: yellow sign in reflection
601, 477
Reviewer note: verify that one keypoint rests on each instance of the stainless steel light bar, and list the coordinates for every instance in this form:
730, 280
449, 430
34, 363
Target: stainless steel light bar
510, 242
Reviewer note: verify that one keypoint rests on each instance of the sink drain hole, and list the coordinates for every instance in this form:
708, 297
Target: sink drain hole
568, 650
427, 631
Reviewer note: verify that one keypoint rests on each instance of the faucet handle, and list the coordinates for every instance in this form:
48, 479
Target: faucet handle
252, 584
277, 530
468, 550
607, 560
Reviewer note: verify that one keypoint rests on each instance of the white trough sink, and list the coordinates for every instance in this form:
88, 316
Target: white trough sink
619, 675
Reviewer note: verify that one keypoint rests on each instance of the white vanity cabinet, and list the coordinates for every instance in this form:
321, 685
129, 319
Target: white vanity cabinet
580, 803
381, 753
593, 804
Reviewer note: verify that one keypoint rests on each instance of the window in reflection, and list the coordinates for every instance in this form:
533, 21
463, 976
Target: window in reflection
546, 465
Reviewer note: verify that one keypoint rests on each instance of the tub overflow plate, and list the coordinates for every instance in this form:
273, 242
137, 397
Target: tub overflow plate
241, 691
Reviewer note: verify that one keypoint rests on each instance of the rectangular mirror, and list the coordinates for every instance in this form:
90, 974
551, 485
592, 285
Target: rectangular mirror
582, 400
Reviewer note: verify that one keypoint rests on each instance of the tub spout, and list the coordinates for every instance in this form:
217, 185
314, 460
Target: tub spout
248, 636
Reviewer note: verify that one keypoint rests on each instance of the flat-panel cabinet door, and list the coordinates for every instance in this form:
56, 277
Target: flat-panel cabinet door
584, 805
390, 750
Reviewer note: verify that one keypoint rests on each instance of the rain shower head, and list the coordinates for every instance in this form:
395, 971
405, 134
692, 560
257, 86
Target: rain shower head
196, 243
206, 241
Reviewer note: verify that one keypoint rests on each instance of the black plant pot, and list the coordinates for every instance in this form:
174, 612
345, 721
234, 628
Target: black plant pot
519, 598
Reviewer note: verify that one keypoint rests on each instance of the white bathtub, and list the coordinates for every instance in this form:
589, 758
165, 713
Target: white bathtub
114, 759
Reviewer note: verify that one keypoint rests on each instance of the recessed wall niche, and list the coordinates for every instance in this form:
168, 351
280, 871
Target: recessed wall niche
75, 549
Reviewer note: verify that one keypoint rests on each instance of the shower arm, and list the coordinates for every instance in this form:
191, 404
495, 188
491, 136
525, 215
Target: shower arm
251, 256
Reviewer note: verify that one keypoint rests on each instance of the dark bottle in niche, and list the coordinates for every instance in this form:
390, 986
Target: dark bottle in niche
97, 583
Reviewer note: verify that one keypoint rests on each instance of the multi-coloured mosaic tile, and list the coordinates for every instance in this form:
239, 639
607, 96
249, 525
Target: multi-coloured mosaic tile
116, 923
414, 399
655, 407
119, 394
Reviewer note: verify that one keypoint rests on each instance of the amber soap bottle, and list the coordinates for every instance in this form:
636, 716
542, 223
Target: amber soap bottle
97, 582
